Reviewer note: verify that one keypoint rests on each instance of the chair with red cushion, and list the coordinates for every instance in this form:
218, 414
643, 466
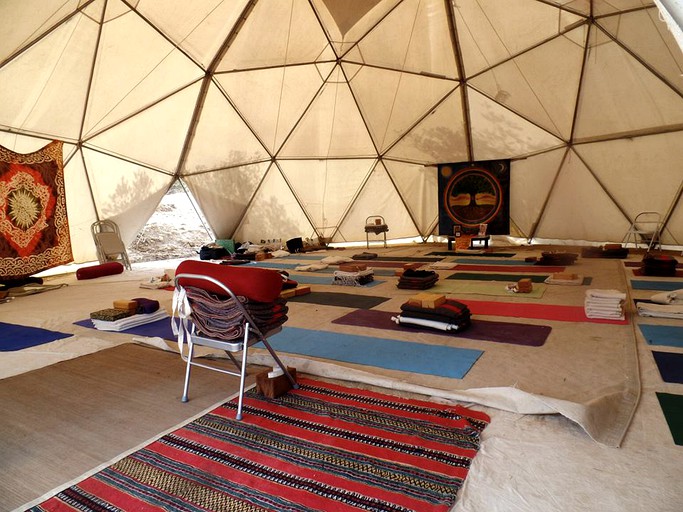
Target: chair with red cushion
227, 308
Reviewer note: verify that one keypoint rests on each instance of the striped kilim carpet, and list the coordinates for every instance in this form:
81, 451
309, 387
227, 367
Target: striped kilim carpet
321, 447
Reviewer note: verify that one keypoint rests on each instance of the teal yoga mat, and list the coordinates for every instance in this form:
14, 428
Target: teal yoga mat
664, 286
438, 360
667, 335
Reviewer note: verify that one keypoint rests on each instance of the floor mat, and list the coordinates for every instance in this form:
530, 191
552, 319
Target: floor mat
495, 288
320, 447
17, 337
344, 300
670, 366
159, 329
672, 407
557, 312
440, 360
666, 335
664, 286
485, 330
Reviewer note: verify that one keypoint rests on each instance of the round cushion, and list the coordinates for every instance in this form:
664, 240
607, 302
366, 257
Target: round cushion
104, 269
257, 284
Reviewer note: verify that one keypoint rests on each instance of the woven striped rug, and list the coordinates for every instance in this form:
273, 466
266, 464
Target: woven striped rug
321, 447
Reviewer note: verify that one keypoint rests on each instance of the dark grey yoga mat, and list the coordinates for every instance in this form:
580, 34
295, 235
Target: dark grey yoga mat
486, 330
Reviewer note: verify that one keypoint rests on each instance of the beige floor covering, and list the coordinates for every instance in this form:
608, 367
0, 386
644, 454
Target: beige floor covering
528, 462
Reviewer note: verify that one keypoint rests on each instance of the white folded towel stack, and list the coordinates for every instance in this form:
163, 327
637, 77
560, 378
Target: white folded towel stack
607, 304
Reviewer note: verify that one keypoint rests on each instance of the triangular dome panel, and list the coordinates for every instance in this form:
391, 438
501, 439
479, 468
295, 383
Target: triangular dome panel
498, 133
538, 85
326, 188
120, 89
491, 31
275, 34
154, 136
418, 187
643, 33
225, 195
378, 197
44, 89
440, 137
274, 212
578, 204
220, 138
392, 102
322, 135
531, 181
290, 90
405, 40
621, 96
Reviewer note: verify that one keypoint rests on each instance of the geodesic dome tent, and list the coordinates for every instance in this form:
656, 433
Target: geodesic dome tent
302, 117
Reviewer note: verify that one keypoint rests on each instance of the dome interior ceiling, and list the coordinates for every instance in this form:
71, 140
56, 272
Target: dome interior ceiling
303, 117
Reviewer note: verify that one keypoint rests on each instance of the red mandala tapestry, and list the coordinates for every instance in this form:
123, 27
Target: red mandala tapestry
34, 230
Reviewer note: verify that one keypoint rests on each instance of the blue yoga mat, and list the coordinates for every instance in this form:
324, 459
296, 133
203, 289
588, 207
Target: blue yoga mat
439, 360
664, 286
16, 337
670, 365
160, 328
668, 335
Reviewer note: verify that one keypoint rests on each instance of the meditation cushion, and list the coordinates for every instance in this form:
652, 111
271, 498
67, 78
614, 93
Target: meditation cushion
104, 269
258, 284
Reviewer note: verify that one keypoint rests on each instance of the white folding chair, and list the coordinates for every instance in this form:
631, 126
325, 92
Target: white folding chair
108, 243
646, 229
377, 225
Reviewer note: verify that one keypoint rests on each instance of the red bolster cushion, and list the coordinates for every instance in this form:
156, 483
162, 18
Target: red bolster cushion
105, 269
258, 284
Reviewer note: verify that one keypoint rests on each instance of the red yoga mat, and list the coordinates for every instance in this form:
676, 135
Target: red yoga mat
558, 312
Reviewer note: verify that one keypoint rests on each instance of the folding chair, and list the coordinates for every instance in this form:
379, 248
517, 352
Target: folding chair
231, 290
108, 242
646, 229
377, 225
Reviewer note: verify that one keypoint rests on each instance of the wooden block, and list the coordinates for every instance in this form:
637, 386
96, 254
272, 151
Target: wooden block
427, 300
275, 387
128, 305
565, 276
302, 290
286, 294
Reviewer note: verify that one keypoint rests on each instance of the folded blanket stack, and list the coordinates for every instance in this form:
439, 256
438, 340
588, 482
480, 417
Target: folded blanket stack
659, 265
442, 314
353, 278
221, 318
128, 321
417, 279
663, 305
608, 304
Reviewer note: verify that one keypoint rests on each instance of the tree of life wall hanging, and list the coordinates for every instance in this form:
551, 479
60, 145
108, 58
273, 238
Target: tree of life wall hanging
474, 193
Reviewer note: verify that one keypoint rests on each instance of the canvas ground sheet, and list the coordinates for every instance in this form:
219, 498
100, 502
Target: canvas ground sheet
320, 447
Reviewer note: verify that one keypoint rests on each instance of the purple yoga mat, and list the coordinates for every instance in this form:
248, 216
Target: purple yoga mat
486, 330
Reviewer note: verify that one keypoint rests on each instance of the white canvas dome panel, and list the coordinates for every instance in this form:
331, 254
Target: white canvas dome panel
199, 30
225, 195
273, 213
497, 132
578, 205
408, 40
418, 187
389, 103
326, 188
288, 92
275, 34
156, 135
531, 180
221, 139
43, 89
439, 137
535, 84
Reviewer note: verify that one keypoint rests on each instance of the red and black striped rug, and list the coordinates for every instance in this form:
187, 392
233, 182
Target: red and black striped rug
321, 447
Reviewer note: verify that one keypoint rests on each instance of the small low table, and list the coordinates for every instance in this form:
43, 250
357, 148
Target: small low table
481, 239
